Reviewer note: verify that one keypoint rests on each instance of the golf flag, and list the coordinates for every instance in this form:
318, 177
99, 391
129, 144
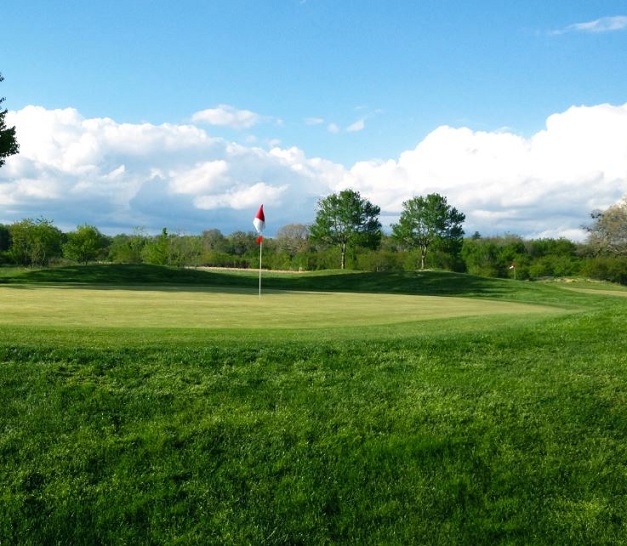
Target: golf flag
260, 223
513, 266
260, 220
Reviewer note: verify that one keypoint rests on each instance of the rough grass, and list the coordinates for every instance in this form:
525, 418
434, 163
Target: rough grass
466, 430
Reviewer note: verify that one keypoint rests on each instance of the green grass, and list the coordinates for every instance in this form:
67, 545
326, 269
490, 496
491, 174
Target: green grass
480, 428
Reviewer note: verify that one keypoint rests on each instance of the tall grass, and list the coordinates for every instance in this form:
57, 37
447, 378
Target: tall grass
457, 431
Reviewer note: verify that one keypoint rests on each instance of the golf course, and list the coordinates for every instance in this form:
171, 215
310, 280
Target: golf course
159, 405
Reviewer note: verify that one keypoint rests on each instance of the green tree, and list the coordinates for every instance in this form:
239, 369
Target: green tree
157, 249
481, 257
214, 241
242, 244
127, 249
429, 221
608, 232
84, 245
8, 140
185, 250
34, 242
346, 220
5, 241
5, 238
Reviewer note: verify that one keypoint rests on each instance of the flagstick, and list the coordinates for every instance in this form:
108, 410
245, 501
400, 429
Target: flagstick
260, 247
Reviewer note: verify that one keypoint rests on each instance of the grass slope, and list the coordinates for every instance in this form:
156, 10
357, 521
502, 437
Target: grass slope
456, 431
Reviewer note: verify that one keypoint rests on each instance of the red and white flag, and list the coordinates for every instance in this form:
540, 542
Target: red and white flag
260, 222
513, 266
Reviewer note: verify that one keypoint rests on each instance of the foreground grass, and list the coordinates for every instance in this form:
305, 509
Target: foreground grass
478, 430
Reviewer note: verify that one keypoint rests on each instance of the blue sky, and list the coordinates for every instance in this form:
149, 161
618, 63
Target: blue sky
285, 101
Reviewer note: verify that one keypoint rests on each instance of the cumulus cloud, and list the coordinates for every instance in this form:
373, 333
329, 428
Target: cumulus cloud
118, 176
544, 186
603, 24
228, 116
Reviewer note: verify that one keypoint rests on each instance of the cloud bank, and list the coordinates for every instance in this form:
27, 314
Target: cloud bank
118, 176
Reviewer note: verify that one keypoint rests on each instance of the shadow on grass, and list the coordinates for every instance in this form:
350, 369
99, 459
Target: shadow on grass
141, 276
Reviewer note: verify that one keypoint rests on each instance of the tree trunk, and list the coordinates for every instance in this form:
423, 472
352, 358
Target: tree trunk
343, 253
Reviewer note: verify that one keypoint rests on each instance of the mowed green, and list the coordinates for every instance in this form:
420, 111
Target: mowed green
168, 307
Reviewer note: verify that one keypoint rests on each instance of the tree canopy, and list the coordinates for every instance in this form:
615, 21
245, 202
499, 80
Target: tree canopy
429, 220
608, 232
34, 242
346, 220
85, 244
8, 140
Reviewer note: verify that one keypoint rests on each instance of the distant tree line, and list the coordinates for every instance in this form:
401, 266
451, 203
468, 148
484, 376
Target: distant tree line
345, 234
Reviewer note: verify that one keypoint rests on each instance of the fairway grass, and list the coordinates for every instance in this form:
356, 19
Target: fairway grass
171, 307
370, 412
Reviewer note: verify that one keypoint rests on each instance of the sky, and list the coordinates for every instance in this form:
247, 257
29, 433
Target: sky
145, 114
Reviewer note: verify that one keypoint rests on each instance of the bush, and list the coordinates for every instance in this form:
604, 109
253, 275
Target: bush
606, 268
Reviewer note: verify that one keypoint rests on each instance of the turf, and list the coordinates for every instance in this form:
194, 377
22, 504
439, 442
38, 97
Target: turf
453, 429
221, 308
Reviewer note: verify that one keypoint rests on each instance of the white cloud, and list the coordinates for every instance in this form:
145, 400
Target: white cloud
356, 127
118, 176
544, 185
228, 116
603, 24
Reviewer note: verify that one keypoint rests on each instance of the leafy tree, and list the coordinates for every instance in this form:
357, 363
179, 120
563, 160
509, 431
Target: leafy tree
481, 257
608, 233
8, 141
428, 221
5, 241
84, 245
606, 268
157, 250
213, 241
34, 242
346, 220
127, 249
5, 238
241, 243
185, 250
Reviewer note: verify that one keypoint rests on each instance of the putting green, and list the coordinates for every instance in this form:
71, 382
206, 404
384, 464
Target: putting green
150, 307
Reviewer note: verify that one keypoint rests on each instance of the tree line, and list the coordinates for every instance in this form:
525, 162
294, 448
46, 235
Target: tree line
347, 234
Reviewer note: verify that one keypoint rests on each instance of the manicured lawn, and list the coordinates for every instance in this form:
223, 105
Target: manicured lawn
172, 307
352, 413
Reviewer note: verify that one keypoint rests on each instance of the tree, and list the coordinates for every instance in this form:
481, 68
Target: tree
85, 244
34, 242
127, 249
428, 221
292, 238
157, 250
608, 233
8, 141
346, 220
5, 238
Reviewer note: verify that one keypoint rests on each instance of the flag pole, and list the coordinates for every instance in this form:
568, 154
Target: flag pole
260, 223
260, 247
